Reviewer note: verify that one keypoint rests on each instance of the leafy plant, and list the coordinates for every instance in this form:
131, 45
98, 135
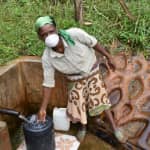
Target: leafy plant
18, 36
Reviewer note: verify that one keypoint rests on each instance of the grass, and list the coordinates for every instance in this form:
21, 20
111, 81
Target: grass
109, 23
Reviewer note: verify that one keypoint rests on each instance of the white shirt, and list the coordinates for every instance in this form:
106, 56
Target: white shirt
76, 59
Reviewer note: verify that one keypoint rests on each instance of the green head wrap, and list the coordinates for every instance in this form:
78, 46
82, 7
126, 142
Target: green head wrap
41, 21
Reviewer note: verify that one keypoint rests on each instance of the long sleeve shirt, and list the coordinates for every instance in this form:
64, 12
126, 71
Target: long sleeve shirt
76, 59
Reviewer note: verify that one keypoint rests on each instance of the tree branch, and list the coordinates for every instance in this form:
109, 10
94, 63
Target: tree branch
126, 10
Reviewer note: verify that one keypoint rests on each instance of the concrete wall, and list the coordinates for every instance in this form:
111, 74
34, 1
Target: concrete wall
21, 88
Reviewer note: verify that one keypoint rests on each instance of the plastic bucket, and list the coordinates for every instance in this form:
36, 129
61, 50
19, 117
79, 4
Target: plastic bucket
39, 136
60, 119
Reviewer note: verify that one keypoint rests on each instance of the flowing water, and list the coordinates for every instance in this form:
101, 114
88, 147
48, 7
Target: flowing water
24, 118
33, 123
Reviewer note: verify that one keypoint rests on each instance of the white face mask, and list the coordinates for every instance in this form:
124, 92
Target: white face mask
52, 40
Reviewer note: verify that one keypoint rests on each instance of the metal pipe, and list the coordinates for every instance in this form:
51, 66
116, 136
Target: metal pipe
9, 112
14, 113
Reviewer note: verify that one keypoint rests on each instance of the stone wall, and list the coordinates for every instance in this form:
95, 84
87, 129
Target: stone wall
128, 89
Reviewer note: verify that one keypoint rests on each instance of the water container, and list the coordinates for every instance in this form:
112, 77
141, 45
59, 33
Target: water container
61, 121
39, 136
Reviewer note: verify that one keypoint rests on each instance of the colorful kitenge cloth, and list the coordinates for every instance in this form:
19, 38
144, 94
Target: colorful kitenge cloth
87, 95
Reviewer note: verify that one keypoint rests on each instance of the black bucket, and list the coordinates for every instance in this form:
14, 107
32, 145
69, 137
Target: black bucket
39, 136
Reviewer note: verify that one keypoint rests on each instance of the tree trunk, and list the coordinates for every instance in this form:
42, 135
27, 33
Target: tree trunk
78, 11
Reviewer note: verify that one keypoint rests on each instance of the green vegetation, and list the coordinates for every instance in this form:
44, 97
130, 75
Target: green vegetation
109, 23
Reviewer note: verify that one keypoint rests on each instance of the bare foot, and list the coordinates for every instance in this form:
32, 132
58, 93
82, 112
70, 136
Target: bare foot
81, 134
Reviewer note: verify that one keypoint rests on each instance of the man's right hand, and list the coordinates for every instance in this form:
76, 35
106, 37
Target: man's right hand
42, 115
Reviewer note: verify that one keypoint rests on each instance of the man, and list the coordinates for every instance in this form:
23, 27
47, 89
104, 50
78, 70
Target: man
72, 52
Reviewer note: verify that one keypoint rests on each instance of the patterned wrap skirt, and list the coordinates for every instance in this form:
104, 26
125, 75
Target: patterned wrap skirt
86, 95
